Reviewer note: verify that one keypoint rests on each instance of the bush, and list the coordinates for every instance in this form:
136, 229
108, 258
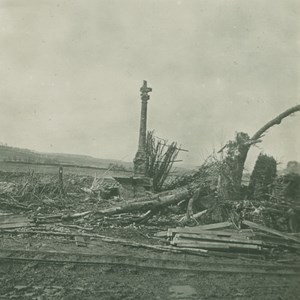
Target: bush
262, 178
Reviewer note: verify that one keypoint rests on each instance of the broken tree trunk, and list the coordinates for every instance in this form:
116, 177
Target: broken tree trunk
236, 155
144, 206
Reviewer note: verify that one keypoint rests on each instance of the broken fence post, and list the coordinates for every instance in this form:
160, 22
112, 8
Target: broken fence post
60, 179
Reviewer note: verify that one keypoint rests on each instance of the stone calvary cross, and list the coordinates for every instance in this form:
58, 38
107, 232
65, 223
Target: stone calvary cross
144, 91
140, 157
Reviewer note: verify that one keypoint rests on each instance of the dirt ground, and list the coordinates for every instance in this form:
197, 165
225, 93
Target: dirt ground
34, 280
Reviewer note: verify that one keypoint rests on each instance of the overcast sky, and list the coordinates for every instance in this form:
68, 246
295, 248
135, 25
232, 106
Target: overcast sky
70, 73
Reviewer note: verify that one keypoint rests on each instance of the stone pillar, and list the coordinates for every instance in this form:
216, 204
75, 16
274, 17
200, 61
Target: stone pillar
140, 157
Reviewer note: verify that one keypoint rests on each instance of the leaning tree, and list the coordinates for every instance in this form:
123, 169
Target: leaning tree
234, 155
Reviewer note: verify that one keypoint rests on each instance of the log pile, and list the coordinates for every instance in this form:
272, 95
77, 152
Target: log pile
253, 239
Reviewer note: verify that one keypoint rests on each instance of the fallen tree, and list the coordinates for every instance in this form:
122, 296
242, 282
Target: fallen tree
145, 206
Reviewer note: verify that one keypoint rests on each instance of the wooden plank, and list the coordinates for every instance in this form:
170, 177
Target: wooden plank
218, 246
218, 238
200, 228
193, 249
194, 230
16, 225
272, 231
212, 245
215, 226
272, 239
161, 234
13, 219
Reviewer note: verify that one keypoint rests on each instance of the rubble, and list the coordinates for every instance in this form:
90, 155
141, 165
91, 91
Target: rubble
207, 213
42, 202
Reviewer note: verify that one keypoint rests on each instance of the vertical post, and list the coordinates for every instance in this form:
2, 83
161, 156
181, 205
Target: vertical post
140, 157
60, 179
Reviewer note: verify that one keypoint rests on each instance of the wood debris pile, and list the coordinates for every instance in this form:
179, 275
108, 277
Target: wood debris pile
279, 209
255, 240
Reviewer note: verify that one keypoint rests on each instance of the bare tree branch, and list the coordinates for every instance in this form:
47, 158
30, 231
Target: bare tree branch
275, 121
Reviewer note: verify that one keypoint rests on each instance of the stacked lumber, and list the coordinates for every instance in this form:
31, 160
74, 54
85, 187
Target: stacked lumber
9, 221
256, 239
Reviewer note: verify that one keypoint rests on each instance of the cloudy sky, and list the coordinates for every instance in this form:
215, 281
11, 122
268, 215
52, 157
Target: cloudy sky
70, 73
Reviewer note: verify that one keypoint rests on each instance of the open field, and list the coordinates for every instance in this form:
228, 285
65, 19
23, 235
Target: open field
14, 154
19, 167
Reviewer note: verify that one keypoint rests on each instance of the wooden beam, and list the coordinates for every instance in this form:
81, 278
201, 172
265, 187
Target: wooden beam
212, 245
272, 231
13, 219
193, 230
218, 238
16, 225
171, 231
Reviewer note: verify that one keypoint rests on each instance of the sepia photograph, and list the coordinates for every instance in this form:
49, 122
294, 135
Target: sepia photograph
150, 149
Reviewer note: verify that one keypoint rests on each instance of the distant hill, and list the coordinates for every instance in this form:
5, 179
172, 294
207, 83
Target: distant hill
14, 154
